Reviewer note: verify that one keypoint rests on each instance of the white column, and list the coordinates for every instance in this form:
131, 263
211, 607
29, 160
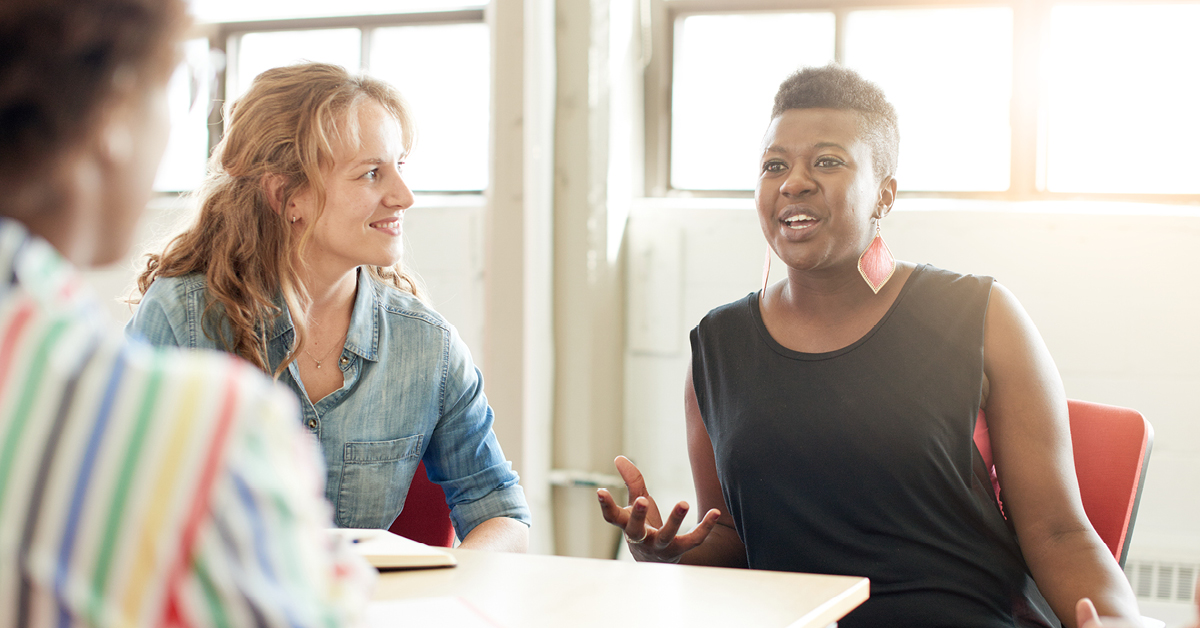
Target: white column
518, 312
595, 150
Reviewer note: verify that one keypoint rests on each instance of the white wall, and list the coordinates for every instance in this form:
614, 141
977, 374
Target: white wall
1113, 292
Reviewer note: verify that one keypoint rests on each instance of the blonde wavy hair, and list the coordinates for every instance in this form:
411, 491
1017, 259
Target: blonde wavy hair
287, 125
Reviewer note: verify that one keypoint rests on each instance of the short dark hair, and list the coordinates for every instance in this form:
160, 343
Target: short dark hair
62, 62
835, 87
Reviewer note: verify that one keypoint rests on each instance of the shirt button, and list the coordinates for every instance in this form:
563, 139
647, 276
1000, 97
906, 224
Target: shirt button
312, 423
345, 360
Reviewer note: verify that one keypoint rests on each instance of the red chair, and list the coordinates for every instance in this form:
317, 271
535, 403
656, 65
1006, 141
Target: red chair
1111, 446
425, 517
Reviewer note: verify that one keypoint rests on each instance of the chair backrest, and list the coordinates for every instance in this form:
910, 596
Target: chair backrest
426, 516
1111, 447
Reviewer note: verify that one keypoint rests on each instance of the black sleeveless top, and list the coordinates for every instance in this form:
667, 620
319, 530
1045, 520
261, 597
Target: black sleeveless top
861, 461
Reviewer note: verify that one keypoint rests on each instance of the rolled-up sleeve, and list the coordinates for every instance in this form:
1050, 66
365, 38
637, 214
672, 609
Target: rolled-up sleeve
464, 456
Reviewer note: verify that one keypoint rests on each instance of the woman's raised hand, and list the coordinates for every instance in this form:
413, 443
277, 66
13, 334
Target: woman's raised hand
648, 537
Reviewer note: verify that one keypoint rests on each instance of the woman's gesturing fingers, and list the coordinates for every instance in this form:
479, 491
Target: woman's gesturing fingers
666, 534
631, 519
635, 529
648, 536
634, 481
612, 513
696, 536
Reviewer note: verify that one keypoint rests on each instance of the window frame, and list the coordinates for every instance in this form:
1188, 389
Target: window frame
1031, 22
225, 37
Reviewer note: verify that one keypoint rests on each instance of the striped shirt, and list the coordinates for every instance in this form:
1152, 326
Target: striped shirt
142, 486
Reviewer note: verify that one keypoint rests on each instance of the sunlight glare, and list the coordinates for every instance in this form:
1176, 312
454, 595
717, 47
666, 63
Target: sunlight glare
727, 68
1123, 95
948, 72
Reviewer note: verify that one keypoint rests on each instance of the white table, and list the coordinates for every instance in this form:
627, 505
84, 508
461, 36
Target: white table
520, 590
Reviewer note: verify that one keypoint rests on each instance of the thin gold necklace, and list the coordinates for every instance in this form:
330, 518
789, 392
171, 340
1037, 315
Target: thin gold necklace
323, 358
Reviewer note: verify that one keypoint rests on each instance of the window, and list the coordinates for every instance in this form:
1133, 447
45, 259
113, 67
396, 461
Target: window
253, 53
189, 99
224, 11
949, 74
1121, 111
453, 115
415, 50
734, 83
1012, 100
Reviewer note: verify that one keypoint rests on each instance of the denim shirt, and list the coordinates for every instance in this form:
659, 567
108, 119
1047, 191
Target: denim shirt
410, 393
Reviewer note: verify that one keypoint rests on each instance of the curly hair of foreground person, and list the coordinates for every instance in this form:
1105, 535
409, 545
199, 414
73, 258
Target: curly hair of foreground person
62, 64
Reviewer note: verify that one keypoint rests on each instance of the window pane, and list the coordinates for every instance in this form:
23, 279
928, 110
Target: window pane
949, 74
243, 10
257, 52
189, 95
451, 116
1123, 96
726, 71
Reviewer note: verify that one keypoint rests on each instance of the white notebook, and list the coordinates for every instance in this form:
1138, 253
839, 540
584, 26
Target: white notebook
385, 550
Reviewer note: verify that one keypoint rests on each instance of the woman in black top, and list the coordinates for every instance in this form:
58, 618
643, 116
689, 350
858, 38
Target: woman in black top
830, 419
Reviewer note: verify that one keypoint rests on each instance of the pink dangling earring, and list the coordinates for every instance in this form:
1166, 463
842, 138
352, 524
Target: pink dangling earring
876, 264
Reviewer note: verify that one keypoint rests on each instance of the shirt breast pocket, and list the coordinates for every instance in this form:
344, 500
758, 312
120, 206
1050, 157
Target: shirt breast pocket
375, 480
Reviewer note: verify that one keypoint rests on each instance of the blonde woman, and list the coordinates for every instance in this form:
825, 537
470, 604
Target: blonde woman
294, 264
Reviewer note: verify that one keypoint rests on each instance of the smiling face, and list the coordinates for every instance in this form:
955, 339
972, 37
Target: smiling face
817, 194
365, 197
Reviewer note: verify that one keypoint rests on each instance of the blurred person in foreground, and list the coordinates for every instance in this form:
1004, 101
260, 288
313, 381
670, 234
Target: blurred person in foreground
138, 486
830, 416
294, 263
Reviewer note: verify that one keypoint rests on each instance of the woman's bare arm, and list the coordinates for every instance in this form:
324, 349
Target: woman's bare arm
498, 534
723, 548
1031, 443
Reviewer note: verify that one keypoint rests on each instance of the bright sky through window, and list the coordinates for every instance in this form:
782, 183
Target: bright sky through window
727, 68
244, 10
1123, 95
948, 72
188, 99
258, 52
442, 71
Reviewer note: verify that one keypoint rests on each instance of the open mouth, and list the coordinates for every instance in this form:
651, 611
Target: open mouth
799, 222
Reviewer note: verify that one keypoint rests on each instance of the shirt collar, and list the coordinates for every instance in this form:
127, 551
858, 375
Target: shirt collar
31, 262
363, 336
362, 339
